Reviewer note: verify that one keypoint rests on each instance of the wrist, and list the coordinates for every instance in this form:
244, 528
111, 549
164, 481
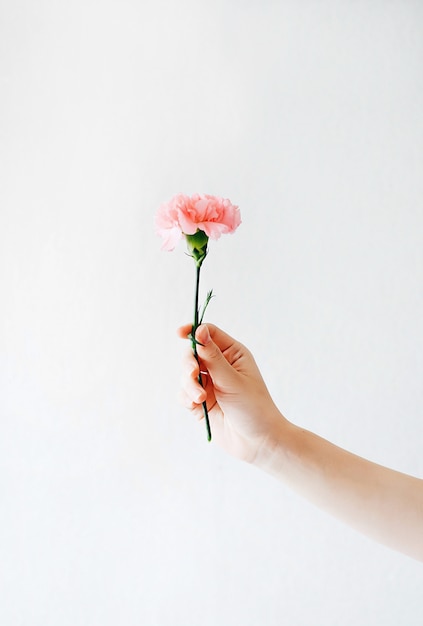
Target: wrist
274, 452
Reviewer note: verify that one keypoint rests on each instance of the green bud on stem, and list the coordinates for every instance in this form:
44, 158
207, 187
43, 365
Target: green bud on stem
197, 246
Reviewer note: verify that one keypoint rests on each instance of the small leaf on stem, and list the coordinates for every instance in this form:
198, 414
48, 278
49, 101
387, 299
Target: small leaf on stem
205, 305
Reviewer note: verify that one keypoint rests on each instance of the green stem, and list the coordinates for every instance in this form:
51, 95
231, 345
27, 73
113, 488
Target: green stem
194, 346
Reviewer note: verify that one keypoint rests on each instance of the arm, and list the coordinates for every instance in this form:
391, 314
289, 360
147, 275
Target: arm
379, 502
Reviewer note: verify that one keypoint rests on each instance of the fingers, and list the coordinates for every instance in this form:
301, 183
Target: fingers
218, 376
184, 331
195, 408
193, 392
218, 336
217, 352
212, 357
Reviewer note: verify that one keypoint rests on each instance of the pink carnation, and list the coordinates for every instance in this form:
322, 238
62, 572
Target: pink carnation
184, 215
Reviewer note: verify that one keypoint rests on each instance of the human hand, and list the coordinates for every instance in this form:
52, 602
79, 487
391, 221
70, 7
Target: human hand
243, 416
379, 502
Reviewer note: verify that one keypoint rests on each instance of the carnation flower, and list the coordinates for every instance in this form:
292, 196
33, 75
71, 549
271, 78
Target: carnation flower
197, 218
185, 215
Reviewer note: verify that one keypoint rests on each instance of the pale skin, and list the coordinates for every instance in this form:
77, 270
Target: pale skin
379, 502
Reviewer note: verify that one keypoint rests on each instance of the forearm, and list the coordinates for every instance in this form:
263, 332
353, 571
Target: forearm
381, 503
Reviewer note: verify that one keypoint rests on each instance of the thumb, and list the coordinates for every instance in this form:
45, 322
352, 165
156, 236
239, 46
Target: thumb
212, 357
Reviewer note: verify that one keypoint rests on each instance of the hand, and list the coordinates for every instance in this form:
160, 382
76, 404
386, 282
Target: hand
243, 416
378, 501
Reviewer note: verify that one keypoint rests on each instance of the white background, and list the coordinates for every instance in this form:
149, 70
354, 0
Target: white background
114, 509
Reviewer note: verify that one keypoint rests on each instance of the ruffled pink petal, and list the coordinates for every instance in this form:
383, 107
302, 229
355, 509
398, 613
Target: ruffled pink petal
171, 237
185, 215
213, 229
187, 219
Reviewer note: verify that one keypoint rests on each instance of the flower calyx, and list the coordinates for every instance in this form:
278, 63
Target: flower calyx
197, 246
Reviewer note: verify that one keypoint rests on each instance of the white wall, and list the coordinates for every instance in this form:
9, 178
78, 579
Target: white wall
114, 509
